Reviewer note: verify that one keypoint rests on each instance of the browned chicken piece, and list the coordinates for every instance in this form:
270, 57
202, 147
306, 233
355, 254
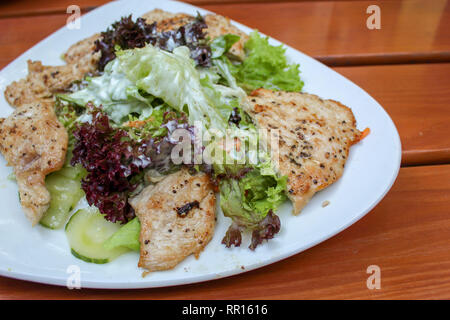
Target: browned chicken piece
217, 26
158, 15
84, 52
43, 81
166, 21
177, 218
34, 142
315, 136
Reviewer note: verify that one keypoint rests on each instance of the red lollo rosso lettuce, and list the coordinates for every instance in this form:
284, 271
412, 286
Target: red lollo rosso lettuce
115, 162
249, 195
129, 34
264, 230
111, 160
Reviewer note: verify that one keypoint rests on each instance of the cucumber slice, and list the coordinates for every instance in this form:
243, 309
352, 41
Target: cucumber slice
65, 192
87, 231
74, 173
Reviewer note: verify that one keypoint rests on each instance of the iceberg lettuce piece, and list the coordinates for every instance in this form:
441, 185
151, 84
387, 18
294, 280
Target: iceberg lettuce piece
118, 95
174, 78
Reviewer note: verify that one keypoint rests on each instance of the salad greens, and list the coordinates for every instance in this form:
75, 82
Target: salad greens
127, 236
174, 78
129, 34
221, 45
250, 189
117, 95
265, 66
249, 200
150, 84
261, 190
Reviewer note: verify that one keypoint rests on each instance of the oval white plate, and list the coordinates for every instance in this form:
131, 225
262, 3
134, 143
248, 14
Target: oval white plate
42, 255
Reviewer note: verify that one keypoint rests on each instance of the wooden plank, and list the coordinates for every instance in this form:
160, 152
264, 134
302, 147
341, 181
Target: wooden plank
406, 235
417, 97
20, 34
336, 32
32, 7
333, 32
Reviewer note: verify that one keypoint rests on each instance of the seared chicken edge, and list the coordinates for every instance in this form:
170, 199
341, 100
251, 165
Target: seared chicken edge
315, 136
177, 218
33, 142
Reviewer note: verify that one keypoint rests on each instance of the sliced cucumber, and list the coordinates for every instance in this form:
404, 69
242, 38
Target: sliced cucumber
65, 192
87, 231
75, 173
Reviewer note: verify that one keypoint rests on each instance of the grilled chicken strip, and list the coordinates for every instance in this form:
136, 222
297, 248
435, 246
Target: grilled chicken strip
177, 218
315, 136
158, 15
217, 26
166, 21
83, 52
34, 142
43, 81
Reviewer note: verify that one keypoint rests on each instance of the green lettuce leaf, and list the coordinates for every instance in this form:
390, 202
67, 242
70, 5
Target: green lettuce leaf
265, 66
127, 236
151, 127
249, 199
222, 44
174, 78
118, 95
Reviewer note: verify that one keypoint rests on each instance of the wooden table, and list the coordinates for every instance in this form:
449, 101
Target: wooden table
406, 67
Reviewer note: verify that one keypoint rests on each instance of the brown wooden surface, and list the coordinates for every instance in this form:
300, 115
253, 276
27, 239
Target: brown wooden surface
417, 97
406, 235
333, 32
9, 8
336, 32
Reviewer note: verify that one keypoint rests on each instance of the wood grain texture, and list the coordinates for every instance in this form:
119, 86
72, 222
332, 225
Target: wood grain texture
31, 7
333, 32
18, 8
406, 235
417, 97
336, 32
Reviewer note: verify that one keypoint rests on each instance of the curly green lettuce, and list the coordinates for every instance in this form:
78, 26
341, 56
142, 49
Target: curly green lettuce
118, 96
265, 65
249, 195
174, 78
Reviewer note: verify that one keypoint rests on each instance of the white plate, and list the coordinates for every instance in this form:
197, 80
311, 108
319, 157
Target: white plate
41, 255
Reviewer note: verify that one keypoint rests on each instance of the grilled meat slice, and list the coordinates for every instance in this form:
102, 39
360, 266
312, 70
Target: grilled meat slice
166, 21
315, 136
83, 52
177, 218
43, 81
34, 142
